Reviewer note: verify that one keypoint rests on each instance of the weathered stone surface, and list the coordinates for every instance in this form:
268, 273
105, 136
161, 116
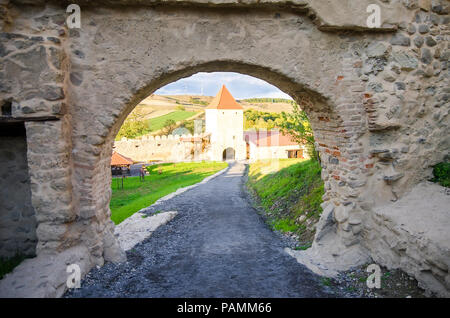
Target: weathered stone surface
400, 39
405, 61
53, 93
341, 213
418, 41
430, 41
425, 4
330, 14
440, 7
377, 50
411, 29
420, 216
424, 28
76, 78
51, 278
326, 223
425, 56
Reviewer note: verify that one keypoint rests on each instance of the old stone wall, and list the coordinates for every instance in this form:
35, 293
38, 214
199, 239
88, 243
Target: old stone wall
164, 148
412, 233
407, 97
17, 216
377, 101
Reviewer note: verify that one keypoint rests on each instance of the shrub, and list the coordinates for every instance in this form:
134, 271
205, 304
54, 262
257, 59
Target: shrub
441, 173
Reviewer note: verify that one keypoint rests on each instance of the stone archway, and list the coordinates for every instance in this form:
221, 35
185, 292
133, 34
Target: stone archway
74, 88
326, 120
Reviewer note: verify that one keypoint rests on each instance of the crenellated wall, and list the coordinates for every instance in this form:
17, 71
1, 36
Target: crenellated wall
171, 148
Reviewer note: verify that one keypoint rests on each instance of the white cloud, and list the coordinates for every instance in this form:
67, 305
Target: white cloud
240, 85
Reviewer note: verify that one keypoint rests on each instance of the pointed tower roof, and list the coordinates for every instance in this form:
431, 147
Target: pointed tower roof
224, 100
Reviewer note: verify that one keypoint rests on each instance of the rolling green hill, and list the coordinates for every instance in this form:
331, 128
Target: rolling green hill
158, 122
136, 125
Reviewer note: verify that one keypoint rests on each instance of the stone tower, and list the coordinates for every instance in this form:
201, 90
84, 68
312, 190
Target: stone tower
225, 122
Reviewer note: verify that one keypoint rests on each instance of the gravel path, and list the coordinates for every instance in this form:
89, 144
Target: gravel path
217, 246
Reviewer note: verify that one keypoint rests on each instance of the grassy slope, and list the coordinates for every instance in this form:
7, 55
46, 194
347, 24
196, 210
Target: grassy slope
178, 115
291, 196
137, 195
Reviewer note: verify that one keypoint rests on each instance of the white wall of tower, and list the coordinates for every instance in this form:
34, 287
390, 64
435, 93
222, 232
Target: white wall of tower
227, 130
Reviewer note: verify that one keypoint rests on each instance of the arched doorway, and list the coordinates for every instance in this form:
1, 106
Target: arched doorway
228, 154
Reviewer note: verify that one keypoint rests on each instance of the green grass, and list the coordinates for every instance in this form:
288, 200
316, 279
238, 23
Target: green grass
284, 225
157, 123
441, 173
137, 195
290, 194
8, 264
326, 281
303, 247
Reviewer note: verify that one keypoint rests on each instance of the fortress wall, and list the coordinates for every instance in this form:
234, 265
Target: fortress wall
163, 148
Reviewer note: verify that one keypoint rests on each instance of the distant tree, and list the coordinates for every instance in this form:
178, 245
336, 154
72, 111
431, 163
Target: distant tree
189, 125
134, 126
268, 100
297, 125
181, 108
260, 120
169, 126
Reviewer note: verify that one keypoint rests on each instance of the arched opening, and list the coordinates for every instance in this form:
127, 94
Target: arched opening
265, 147
228, 154
326, 122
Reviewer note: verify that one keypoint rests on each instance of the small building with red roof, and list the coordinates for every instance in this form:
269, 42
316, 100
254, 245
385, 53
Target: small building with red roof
272, 144
120, 164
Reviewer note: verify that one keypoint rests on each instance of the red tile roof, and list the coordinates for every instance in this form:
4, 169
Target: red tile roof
269, 138
120, 160
224, 100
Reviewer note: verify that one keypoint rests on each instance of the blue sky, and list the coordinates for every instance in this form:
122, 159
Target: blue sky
241, 86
